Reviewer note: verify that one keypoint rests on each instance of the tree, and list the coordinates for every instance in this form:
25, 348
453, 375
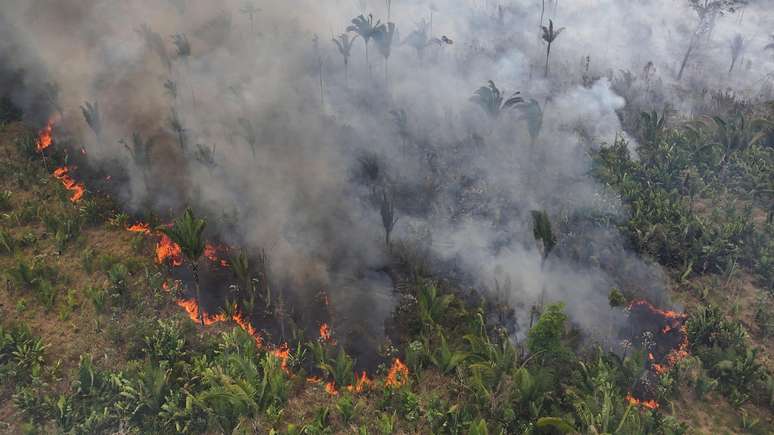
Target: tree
93, 118
737, 48
344, 44
387, 211
707, 12
250, 10
549, 35
249, 133
384, 37
492, 100
419, 38
366, 28
188, 233
541, 229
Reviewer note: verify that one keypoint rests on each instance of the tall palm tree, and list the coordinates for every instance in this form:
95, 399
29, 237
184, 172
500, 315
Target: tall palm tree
492, 100
419, 38
549, 35
344, 44
544, 235
384, 37
737, 48
188, 233
366, 28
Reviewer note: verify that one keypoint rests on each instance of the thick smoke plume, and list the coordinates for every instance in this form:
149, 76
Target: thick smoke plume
254, 118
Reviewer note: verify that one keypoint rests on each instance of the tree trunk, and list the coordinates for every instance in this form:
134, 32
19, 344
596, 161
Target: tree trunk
733, 63
542, 13
685, 60
548, 54
195, 270
346, 73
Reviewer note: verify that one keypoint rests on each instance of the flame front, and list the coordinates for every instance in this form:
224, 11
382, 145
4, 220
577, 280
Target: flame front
398, 374
78, 189
325, 333
140, 227
649, 404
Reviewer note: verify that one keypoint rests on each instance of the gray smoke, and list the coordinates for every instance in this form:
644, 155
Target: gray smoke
270, 136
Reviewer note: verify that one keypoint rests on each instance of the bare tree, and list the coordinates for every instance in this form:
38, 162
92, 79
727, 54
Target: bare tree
707, 12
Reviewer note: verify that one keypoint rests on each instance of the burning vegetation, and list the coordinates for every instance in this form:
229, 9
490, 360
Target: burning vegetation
317, 248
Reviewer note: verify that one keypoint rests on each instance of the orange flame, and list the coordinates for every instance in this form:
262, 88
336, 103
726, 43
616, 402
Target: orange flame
313, 380
398, 374
325, 333
78, 189
45, 136
283, 353
330, 388
141, 228
211, 253
361, 384
166, 249
192, 308
649, 404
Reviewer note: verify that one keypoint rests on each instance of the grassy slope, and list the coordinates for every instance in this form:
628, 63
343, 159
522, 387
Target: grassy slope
72, 325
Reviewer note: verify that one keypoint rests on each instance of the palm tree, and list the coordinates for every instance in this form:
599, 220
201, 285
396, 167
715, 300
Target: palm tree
387, 211
250, 133
250, 10
544, 235
344, 44
533, 114
366, 28
491, 100
154, 42
188, 233
737, 47
92, 116
419, 38
383, 38
549, 35
177, 126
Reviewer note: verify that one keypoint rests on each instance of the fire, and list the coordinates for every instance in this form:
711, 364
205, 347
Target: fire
330, 388
78, 189
141, 228
361, 384
45, 136
191, 307
325, 333
649, 404
166, 249
398, 374
283, 354
211, 253
313, 380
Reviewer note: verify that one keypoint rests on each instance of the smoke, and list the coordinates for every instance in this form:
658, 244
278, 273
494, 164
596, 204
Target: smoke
260, 128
